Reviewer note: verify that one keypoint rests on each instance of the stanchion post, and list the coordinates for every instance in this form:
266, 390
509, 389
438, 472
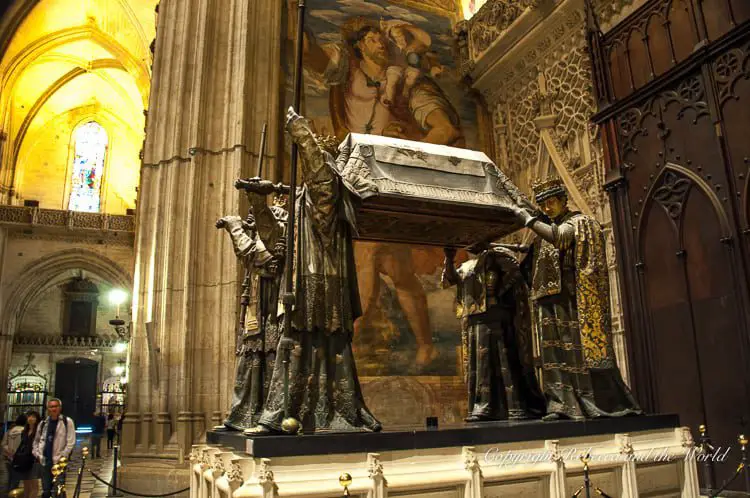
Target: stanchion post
704, 442
586, 478
345, 480
745, 464
113, 488
84, 454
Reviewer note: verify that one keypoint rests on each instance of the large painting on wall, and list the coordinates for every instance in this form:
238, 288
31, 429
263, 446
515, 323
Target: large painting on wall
373, 66
387, 68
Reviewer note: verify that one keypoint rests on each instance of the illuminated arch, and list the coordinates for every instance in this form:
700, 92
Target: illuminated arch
109, 40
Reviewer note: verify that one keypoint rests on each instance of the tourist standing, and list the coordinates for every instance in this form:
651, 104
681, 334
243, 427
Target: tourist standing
97, 433
111, 430
29, 469
54, 440
11, 442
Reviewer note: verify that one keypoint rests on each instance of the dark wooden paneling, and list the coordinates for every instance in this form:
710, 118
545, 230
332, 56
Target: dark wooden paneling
682, 28
741, 11
718, 18
659, 43
670, 315
731, 71
618, 60
640, 62
682, 208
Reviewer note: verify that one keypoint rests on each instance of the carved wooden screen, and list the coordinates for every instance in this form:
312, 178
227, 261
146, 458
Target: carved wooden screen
674, 93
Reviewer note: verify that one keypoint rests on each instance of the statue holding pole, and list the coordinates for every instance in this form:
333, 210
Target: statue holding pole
315, 385
256, 347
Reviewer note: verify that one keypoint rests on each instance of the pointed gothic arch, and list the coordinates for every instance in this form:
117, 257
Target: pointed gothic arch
42, 273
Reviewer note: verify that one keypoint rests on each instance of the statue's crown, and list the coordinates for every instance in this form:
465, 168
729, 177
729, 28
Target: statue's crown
544, 188
329, 143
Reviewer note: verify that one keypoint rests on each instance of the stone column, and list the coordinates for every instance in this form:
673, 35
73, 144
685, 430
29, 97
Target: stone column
6, 336
216, 80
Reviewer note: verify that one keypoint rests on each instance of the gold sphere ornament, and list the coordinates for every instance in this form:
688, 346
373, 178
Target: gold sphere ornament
56, 470
85, 451
16, 493
742, 440
290, 425
345, 479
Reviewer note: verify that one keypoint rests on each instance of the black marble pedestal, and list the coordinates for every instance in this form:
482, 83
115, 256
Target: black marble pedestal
419, 438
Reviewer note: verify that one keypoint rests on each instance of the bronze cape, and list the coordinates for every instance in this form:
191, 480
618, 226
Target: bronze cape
257, 352
324, 388
492, 303
570, 299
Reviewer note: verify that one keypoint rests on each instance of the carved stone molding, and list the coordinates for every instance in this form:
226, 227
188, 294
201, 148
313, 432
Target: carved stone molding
492, 20
265, 474
471, 462
374, 467
31, 216
626, 444
551, 40
235, 472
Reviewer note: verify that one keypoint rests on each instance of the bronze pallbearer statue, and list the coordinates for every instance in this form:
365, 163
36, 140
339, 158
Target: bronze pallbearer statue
256, 349
492, 303
324, 390
567, 272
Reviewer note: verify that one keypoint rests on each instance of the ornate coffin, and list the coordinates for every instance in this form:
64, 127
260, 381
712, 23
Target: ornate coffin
421, 193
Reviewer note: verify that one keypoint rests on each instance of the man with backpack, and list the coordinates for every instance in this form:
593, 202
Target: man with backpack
55, 439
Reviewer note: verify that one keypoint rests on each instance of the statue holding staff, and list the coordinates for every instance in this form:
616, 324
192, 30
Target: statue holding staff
256, 350
323, 388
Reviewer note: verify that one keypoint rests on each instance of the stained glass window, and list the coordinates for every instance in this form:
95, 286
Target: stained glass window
90, 148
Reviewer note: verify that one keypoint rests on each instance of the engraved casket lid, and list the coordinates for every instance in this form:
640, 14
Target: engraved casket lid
422, 193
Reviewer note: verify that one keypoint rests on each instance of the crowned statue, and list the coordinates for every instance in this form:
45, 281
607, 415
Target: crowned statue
567, 272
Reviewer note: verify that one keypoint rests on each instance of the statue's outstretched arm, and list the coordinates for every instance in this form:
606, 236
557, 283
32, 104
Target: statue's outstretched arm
561, 236
242, 241
318, 176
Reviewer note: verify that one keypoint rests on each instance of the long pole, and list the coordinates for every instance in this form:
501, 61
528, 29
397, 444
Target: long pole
246, 281
288, 298
261, 151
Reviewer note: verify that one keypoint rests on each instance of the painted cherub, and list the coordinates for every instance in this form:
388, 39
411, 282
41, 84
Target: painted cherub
411, 58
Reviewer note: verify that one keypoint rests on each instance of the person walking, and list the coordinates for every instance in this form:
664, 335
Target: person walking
120, 418
31, 471
54, 440
97, 433
10, 444
111, 430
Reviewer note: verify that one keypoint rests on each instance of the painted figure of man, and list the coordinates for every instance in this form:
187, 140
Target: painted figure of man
492, 303
569, 282
256, 352
324, 390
